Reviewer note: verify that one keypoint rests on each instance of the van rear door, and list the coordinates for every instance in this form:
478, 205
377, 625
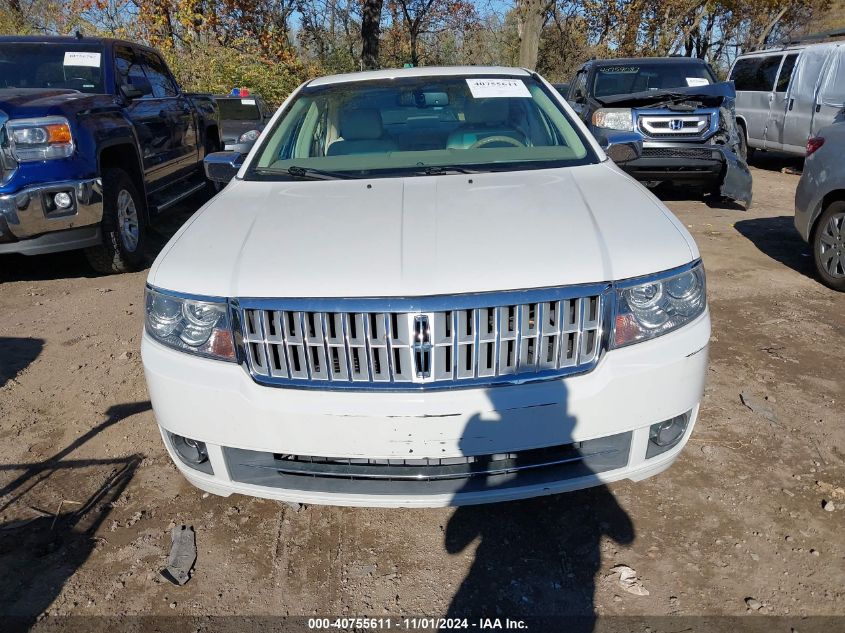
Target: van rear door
802, 96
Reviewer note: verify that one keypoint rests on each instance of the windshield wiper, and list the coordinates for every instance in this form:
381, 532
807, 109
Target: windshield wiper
443, 170
316, 174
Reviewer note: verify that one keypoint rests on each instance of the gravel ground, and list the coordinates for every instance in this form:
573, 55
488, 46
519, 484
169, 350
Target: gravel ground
740, 524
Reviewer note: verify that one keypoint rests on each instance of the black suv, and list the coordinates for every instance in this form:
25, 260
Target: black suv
682, 113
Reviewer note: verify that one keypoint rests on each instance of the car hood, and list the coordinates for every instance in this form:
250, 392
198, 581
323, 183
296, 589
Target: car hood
423, 236
711, 95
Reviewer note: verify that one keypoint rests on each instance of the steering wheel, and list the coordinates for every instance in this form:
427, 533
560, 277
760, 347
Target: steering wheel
496, 139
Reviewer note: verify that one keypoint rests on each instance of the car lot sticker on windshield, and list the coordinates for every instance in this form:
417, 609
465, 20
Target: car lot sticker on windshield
619, 69
487, 88
82, 58
697, 81
247, 101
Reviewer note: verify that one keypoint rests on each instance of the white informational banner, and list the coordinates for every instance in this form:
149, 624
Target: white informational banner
247, 101
82, 58
697, 81
497, 87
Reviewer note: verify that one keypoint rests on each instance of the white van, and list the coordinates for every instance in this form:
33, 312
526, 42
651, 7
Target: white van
785, 96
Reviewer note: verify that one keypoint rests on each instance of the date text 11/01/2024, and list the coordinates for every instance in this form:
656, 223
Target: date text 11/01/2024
415, 624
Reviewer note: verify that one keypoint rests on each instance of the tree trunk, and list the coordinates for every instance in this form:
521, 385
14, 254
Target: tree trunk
415, 54
761, 41
531, 15
370, 31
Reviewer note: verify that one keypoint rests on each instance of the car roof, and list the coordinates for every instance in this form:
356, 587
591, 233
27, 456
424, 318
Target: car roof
65, 39
421, 71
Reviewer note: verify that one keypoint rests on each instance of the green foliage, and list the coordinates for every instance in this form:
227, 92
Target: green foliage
211, 67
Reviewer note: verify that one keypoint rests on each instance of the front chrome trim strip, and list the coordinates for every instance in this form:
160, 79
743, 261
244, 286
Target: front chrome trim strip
406, 473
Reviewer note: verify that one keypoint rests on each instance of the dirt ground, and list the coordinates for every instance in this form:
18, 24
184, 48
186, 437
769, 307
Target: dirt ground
737, 526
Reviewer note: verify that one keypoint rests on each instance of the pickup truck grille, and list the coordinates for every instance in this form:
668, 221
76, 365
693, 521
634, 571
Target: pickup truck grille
505, 339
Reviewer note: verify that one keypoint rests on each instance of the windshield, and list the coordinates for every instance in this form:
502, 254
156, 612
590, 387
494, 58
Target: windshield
628, 79
65, 66
418, 126
245, 109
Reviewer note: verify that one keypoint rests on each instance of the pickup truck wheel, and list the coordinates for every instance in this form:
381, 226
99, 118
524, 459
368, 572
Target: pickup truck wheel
829, 246
123, 226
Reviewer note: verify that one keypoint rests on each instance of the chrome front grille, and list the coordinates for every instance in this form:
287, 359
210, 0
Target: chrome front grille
335, 344
674, 126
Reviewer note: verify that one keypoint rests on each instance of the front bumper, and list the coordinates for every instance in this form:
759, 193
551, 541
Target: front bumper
677, 162
631, 388
30, 213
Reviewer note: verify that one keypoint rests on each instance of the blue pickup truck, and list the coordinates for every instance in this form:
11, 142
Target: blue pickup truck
96, 139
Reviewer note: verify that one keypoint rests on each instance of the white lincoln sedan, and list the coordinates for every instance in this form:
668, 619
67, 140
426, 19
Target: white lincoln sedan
426, 287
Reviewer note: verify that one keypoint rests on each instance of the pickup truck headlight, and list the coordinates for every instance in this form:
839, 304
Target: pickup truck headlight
646, 309
39, 139
190, 325
614, 119
249, 137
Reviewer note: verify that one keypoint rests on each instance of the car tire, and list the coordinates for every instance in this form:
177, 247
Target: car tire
123, 226
828, 243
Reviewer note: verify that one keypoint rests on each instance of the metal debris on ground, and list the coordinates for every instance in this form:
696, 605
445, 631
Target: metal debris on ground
183, 555
760, 407
629, 581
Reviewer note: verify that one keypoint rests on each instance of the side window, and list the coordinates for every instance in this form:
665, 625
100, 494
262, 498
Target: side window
786, 72
768, 72
159, 77
755, 73
127, 69
579, 85
744, 72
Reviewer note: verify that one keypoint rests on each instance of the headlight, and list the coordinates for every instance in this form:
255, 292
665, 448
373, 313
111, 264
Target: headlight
39, 139
189, 325
248, 137
648, 309
614, 119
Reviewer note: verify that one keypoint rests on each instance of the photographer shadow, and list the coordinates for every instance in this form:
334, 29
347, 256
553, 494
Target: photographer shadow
537, 557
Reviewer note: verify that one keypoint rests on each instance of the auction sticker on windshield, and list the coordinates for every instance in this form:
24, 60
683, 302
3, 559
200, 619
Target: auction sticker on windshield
487, 88
82, 58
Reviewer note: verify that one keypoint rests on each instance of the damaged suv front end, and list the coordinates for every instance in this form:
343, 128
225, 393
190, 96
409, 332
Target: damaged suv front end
687, 123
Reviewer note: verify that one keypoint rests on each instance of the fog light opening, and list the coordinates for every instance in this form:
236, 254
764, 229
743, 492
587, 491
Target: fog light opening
664, 435
191, 451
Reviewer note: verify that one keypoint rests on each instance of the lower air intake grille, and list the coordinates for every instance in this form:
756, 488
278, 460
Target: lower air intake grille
523, 335
694, 153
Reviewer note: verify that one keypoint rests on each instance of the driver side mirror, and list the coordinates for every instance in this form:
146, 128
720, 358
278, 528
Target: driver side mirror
222, 166
623, 147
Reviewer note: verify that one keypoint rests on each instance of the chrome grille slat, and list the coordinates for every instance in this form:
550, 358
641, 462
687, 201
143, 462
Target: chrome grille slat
534, 335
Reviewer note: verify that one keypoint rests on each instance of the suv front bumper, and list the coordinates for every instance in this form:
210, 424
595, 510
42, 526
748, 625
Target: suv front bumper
31, 223
677, 162
603, 415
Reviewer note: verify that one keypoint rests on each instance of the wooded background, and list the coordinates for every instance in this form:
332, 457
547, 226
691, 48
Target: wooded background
271, 46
